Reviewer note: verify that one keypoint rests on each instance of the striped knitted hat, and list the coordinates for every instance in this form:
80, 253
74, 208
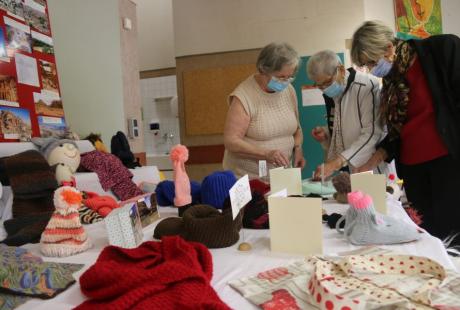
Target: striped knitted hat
64, 234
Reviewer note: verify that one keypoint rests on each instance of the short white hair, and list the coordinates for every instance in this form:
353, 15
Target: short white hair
275, 56
324, 62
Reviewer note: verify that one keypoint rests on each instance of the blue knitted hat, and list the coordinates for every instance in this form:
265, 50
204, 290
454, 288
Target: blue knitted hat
215, 187
165, 192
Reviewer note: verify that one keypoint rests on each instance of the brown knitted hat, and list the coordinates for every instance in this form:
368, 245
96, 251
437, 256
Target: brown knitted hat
204, 224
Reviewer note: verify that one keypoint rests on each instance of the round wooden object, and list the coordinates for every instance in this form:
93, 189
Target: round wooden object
244, 246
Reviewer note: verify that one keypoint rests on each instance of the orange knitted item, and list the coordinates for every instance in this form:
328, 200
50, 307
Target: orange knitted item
64, 234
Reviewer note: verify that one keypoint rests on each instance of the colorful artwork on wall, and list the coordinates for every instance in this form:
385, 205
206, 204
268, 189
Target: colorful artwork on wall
417, 18
30, 102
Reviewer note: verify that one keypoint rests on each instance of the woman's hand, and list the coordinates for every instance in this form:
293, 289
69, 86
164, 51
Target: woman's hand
379, 156
329, 168
299, 160
277, 158
319, 134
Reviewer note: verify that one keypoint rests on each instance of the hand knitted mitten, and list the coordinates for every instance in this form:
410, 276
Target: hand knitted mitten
179, 155
369, 227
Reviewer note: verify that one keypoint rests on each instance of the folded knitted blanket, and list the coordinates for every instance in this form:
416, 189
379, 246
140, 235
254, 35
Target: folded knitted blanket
172, 274
112, 174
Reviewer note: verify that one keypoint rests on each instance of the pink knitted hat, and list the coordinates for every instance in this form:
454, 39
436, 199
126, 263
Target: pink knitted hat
64, 234
178, 156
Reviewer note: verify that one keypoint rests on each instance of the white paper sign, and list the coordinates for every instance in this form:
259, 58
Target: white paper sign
312, 96
26, 68
240, 195
262, 168
281, 193
290, 179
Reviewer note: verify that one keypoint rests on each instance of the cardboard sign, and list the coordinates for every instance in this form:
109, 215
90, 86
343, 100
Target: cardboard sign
372, 184
124, 227
296, 225
240, 195
290, 179
262, 168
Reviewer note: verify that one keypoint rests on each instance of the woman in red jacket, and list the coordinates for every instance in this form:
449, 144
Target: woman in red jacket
420, 103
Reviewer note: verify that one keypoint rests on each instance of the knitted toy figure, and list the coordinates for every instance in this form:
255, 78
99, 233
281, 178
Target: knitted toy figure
342, 184
64, 235
364, 226
63, 154
178, 156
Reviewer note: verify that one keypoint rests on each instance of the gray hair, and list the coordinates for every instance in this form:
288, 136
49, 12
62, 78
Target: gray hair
370, 42
323, 63
274, 56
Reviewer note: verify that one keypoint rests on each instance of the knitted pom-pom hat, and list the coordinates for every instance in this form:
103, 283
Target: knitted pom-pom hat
178, 156
64, 234
215, 187
364, 226
165, 193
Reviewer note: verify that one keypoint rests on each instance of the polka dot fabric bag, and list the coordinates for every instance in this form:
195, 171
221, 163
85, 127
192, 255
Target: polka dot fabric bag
355, 282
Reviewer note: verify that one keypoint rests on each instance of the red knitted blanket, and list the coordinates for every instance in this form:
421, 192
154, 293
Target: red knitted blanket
172, 274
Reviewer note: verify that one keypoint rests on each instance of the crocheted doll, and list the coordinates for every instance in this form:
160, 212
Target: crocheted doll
64, 234
178, 156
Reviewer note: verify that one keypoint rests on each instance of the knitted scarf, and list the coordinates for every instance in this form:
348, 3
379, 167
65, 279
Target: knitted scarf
395, 90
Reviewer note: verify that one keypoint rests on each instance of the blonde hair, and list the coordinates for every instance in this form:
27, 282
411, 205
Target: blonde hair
370, 41
323, 63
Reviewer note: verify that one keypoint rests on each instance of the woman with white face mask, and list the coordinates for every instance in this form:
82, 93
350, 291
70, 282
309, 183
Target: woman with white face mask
263, 120
420, 104
352, 104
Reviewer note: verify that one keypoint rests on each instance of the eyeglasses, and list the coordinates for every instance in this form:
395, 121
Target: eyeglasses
284, 79
325, 84
328, 82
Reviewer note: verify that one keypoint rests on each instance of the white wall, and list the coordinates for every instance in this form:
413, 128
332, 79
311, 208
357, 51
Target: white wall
383, 10
164, 111
207, 26
156, 36
87, 44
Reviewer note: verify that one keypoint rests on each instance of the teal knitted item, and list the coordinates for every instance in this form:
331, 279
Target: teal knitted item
364, 226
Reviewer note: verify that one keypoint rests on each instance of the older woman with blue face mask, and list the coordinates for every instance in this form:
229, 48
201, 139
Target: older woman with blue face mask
420, 103
263, 120
352, 105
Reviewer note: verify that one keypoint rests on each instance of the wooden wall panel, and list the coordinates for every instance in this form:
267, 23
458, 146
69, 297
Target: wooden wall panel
199, 63
205, 97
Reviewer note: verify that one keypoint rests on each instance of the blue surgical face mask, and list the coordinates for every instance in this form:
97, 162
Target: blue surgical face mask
334, 90
382, 68
278, 85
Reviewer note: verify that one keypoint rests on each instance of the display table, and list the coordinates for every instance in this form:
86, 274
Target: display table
230, 264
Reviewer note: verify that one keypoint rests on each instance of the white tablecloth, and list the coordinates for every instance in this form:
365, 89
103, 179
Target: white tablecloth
230, 264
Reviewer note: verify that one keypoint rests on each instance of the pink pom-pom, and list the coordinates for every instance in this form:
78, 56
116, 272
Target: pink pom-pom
364, 202
179, 153
353, 197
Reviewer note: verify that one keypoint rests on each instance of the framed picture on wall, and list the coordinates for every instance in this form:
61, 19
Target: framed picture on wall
417, 18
